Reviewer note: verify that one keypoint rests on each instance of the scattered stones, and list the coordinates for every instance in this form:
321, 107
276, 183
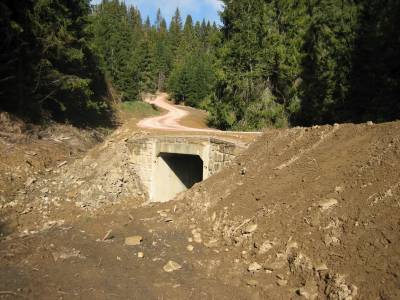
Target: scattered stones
331, 240
172, 266
281, 282
243, 171
309, 290
252, 282
44, 190
254, 267
337, 288
211, 243
189, 248
67, 253
327, 204
277, 265
303, 293
197, 236
31, 153
265, 247
30, 181
321, 267
250, 228
162, 213
133, 240
26, 210
370, 123
339, 189
140, 254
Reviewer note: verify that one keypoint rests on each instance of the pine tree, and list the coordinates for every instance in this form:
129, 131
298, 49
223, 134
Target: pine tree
375, 76
327, 63
175, 34
51, 66
115, 44
192, 79
162, 52
261, 62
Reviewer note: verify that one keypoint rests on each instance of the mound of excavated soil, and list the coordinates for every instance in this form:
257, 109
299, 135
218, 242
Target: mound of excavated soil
28, 151
313, 212
304, 213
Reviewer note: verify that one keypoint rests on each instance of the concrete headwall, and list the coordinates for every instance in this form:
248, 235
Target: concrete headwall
158, 177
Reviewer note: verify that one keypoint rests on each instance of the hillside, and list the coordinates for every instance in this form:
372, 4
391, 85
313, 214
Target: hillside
307, 213
326, 204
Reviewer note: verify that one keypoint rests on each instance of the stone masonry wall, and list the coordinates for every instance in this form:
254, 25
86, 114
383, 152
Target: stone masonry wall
222, 155
216, 154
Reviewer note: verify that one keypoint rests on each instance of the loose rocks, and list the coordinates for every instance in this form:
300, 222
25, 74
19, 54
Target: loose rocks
327, 204
250, 228
254, 267
133, 240
172, 266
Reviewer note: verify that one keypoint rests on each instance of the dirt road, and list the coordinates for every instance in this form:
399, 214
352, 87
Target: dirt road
171, 120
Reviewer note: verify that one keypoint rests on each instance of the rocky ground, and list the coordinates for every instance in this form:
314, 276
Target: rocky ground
304, 213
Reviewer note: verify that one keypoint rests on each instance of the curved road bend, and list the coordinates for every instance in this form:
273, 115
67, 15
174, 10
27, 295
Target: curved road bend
170, 120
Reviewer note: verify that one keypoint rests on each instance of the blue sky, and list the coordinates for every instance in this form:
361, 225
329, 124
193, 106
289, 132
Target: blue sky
199, 9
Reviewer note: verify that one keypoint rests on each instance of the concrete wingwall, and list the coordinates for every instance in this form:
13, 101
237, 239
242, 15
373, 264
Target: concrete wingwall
163, 162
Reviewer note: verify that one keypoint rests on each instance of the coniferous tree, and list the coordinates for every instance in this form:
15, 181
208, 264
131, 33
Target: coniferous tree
115, 45
375, 76
163, 55
328, 48
261, 63
47, 62
175, 33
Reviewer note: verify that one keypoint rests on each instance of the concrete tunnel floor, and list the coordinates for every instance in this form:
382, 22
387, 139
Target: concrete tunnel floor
175, 173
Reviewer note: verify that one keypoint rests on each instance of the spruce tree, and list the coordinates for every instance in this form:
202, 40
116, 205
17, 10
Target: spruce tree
375, 75
47, 63
175, 31
115, 43
328, 48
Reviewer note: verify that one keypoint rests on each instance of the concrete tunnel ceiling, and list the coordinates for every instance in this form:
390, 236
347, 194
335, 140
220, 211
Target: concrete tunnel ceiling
175, 173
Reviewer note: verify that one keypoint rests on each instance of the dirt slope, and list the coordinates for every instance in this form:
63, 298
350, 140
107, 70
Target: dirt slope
314, 213
327, 208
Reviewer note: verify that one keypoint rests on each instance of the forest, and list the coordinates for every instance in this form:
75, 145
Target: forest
272, 63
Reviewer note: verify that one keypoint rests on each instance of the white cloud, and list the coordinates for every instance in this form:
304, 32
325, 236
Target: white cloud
217, 4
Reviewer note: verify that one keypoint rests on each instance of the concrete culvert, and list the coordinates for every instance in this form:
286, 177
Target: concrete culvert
175, 173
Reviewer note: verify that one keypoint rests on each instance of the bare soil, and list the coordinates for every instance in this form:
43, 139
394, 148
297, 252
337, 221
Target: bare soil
307, 213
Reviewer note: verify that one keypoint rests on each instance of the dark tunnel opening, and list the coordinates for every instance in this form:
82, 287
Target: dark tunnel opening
175, 173
187, 168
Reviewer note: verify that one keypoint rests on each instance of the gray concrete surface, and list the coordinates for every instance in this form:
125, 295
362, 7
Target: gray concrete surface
167, 166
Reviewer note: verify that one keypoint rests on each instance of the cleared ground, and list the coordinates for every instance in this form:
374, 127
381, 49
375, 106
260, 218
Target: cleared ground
307, 213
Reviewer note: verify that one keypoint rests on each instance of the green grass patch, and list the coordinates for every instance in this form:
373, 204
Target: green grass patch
139, 109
